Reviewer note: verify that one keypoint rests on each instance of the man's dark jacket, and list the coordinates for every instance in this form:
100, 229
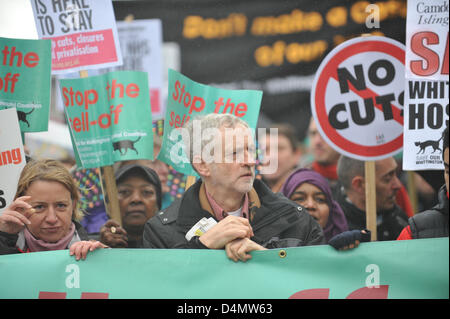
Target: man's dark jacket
276, 221
389, 223
432, 223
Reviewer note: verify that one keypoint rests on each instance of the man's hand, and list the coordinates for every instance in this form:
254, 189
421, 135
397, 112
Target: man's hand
239, 249
227, 230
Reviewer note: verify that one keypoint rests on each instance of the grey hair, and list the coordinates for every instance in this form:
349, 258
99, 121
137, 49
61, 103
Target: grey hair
206, 122
347, 169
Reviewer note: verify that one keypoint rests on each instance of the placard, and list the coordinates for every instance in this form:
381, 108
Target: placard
427, 84
109, 117
357, 98
12, 156
187, 100
25, 81
141, 47
83, 33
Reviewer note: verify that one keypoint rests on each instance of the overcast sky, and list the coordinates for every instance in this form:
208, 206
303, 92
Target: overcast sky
16, 19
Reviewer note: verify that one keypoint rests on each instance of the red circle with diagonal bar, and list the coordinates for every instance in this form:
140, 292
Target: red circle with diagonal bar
360, 49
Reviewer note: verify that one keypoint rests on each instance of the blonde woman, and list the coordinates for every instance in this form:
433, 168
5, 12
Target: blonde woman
44, 215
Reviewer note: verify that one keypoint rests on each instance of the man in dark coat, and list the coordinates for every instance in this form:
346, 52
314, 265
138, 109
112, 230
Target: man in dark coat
433, 222
352, 197
227, 208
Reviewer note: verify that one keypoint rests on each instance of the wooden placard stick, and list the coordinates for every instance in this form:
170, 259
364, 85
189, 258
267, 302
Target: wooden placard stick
371, 199
108, 183
412, 190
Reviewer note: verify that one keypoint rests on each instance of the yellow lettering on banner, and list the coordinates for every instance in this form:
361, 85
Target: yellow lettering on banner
293, 53
195, 26
337, 16
294, 22
388, 9
338, 39
358, 11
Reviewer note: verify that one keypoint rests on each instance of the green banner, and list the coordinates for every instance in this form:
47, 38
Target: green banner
110, 117
392, 269
25, 78
187, 100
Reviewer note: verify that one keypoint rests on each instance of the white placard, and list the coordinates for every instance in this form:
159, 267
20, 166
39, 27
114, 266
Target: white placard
83, 33
12, 156
426, 84
357, 98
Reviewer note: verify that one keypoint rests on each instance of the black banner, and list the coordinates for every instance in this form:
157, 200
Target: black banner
271, 45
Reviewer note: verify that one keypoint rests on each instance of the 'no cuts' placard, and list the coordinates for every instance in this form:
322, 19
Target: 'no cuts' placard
357, 98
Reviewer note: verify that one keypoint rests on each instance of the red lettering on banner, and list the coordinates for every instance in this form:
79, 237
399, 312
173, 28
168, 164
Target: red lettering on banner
30, 60
431, 61
194, 103
380, 292
177, 86
12, 156
444, 69
132, 90
4, 82
101, 50
52, 295
63, 295
239, 111
87, 97
103, 120
177, 121
94, 295
319, 293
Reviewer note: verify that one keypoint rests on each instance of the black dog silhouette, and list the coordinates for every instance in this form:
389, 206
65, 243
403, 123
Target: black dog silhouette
125, 145
23, 116
425, 144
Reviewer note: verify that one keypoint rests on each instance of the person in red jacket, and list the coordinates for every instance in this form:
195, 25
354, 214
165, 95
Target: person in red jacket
433, 222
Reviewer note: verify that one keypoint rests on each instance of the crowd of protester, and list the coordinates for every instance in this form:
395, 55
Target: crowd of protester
316, 196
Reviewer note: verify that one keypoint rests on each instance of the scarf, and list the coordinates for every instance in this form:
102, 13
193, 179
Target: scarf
327, 171
253, 202
337, 223
35, 245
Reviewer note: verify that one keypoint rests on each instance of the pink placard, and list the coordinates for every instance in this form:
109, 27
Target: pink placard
83, 49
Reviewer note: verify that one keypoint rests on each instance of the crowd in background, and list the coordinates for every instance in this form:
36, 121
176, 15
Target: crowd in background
310, 173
